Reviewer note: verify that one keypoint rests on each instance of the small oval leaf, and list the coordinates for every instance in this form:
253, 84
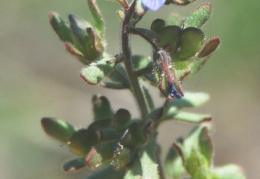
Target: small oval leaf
190, 43
121, 119
209, 47
186, 116
199, 16
205, 143
157, 25
82, 141
122, 156
96, 71
101, 108
99, 155
170, 36
61, 27
58, 129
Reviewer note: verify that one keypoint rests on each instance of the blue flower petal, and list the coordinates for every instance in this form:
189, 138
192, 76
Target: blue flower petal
174, 92
153, 4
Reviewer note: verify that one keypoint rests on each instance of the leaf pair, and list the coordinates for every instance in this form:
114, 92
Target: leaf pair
81, 39
184, 44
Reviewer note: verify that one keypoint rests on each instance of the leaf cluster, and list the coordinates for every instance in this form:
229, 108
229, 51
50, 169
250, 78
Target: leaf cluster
117, 145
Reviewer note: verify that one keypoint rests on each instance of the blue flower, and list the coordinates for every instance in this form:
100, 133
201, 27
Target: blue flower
153, 5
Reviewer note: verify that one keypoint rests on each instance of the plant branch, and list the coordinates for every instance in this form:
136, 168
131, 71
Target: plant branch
145, 37
126, 50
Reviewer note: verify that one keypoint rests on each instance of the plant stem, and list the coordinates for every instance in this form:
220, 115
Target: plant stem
126, 50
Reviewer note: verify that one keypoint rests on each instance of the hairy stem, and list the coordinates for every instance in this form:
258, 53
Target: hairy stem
126, 50
150, 41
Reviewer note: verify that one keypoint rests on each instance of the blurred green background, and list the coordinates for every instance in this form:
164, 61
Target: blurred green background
38, 78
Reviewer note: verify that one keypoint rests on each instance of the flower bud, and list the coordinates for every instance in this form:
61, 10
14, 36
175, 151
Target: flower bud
166, 75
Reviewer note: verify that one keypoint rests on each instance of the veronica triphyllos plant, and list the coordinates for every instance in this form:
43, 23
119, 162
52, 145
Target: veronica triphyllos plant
116, 145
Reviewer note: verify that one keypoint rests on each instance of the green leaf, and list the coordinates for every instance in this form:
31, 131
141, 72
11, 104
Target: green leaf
101, 108
81, 41
197, 165
108, 172
74, 51
134, 171
82, 141
78, 28
61, 27
96, 71
209, 47
170, 35
134, 136
228, 172
99, 155
122, 156
173, 164
98, 18
125, 148
190, 100
86, 40
199, 16
96, 45
121, 119
148, 160
74, 165
157, 25
191, 41
186, 116
58, 129
205, 144
191, 142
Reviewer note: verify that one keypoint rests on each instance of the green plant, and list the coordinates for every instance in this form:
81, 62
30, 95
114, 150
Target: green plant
122, 147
